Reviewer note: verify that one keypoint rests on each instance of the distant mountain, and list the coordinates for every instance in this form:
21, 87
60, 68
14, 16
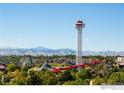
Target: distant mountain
48, 51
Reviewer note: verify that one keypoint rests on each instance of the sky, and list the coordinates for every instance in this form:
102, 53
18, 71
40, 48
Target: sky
52, 26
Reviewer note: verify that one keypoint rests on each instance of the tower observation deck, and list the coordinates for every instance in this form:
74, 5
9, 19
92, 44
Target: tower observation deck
79, 25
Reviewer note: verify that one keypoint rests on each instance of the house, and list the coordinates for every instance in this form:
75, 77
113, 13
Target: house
3, 67
120, 61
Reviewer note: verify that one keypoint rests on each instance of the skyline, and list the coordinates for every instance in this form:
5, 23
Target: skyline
52, 26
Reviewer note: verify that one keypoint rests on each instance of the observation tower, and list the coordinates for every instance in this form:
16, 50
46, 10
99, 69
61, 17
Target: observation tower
79, 26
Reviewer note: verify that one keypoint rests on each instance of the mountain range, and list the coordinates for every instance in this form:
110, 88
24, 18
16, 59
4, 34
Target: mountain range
48, 52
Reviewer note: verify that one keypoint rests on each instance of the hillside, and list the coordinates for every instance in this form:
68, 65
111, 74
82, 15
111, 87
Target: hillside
48, 51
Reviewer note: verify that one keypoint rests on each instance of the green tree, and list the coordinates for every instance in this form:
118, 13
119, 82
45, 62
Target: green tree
65, 76
98, 81
5, 79
1, 78
11, 67
49, 78
116, 78
24, 71
77, 82
34, 78
83, 74
18, 80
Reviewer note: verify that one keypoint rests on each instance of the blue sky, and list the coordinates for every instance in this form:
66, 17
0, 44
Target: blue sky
52, 26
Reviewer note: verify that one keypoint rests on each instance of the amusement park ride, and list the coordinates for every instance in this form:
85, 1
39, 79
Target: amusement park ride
79, 63
93, 62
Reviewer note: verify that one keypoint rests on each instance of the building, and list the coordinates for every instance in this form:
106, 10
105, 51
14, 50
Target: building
3, 67
120, 61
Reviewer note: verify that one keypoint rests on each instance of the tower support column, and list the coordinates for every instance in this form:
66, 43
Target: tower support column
79, 47
79, 25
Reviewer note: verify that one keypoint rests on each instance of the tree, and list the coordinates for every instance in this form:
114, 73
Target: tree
116, 78
24, 71
98, 81
77, 82
120, 69
65, 76
100, 70
49, 78
16, 73
34, 78
11, 67
0, 78
5, 79
83, 74
18, 80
